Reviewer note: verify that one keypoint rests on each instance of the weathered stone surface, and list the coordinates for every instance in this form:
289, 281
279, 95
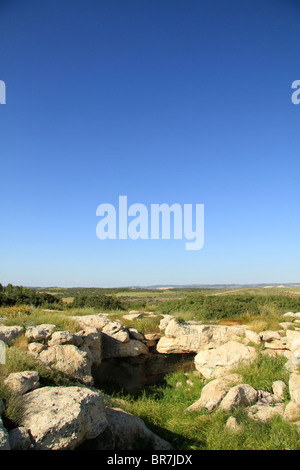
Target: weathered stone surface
65, 337
213, 392
4, 437
114, 348
233, 425
270, 335
92, 344
22, 382
8, 334
294, 387
293, 339
19, 439
117, 331
192, 337
218, 362
240, 395
253, 337
279, 388
63, 417
131, 433
39, 332
68, 359
285, 325
265, 412
165, 321
94, 321
35, 348
292, 412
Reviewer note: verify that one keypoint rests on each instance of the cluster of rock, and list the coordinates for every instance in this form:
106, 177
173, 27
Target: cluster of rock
64, 418
68, 417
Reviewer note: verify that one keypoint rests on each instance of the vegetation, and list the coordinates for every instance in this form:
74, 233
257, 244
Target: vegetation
18, 295
163, 409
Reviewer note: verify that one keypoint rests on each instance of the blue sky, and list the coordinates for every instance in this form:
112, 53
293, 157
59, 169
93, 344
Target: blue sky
165, 101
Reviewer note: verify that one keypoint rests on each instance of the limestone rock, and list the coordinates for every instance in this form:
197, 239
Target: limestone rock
255, 338
218, 362
265, 412
279, 388
294, 387
191, 337
39, 332
22, 382
131, 433
117, 331
213, 392
233, 425
68, 359
293, 339
270, 335
165, 321
65, 337
94, 321
292, 412
61, 418
8, 334
240, 395
114, 348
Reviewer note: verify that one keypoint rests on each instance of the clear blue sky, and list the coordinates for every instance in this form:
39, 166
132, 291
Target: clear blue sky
163, 101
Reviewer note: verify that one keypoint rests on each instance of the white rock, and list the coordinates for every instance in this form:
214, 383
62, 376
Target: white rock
213, 392
240, 395
294, 387
117, 331
279, 388
39, 332
218, 362
233, 425
61, 418
265, 412
22, 382
19, 439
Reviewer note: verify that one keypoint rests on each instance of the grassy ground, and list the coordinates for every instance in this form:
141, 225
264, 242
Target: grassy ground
163, 409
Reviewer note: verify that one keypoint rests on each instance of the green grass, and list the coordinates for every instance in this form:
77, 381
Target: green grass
163, 409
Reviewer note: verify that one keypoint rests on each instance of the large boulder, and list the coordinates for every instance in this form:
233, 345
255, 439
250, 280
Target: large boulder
264, 413
131, 433
189, 337
8, 334
213, 393
68, 359
61, 418
213, 363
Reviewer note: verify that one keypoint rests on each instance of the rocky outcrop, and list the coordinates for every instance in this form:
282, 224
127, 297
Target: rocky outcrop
188, 337
63, 417
217, 362
39, 332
